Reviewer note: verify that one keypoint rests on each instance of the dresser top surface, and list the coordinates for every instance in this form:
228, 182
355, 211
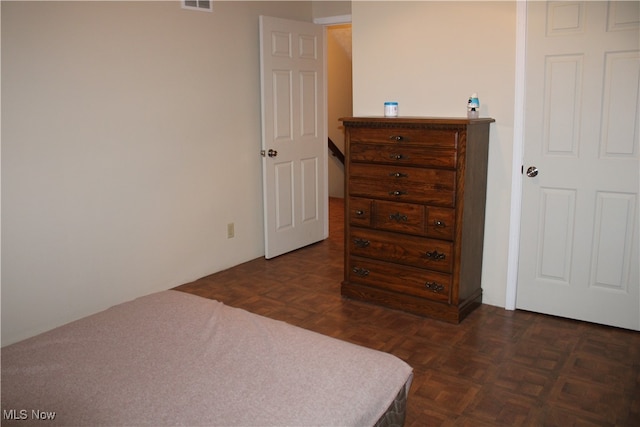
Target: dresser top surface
380, 120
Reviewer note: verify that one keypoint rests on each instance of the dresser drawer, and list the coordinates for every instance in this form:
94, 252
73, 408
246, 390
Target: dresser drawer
403, 184
441, 223
413, 218
401, 154
360, 211
403, 217
407, 280
404, 249
425, 137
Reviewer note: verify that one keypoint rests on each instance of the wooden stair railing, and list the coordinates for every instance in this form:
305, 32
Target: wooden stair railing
335, 151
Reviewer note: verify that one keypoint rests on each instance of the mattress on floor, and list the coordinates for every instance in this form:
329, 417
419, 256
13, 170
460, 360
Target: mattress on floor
173, 358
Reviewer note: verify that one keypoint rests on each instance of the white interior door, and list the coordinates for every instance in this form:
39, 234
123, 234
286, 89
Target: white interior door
294, 134
579, 240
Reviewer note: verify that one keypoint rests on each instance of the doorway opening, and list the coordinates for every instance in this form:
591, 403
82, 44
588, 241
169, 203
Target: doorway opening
339, 99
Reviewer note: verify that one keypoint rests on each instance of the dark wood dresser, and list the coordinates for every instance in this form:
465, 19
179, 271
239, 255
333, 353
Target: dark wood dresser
414, 213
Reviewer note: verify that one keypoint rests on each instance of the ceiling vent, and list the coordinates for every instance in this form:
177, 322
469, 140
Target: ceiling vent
206, 6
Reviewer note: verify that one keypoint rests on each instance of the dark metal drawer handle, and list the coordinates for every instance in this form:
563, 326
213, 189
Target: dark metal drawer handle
396, 156
396, 137
398, 175
362, 272
361, 243
434, 255
398, 217
433, 286
438, 223
397, 193
359, 212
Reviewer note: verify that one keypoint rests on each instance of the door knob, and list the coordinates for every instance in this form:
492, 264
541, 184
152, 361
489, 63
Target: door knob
270, 153
532, 171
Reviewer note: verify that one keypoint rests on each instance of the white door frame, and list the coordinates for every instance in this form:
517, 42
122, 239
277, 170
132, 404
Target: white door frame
518, 150
333, 20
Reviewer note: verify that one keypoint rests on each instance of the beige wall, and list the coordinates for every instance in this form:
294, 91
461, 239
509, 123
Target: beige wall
430, 56
130, 138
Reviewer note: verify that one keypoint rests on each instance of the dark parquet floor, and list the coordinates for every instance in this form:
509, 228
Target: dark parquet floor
497, 368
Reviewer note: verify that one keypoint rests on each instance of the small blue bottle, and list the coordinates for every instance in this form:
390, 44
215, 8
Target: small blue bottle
473, 107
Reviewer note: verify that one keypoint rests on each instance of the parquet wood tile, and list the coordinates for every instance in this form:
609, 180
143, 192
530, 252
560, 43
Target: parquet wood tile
496, 368
605, 404
497, 406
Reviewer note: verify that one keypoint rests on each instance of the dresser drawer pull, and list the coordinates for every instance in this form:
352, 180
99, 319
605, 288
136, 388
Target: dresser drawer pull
398, 175
398, 217
397, 193
439, 223
435, 255
396, 156
362, 272
433, 286
361, 243
359, 212
396, 137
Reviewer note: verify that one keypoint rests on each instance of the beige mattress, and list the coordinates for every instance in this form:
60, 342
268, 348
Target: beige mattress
173, 358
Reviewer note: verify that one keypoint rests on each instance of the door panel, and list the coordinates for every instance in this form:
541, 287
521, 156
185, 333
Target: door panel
612, 243
579, 239
620, 104
283, 178
281, 104
557, 215
310, 184
294, 141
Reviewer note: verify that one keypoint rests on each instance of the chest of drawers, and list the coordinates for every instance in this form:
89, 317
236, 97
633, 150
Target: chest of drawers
414, 213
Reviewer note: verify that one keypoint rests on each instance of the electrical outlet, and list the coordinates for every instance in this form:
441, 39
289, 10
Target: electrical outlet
230, 230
